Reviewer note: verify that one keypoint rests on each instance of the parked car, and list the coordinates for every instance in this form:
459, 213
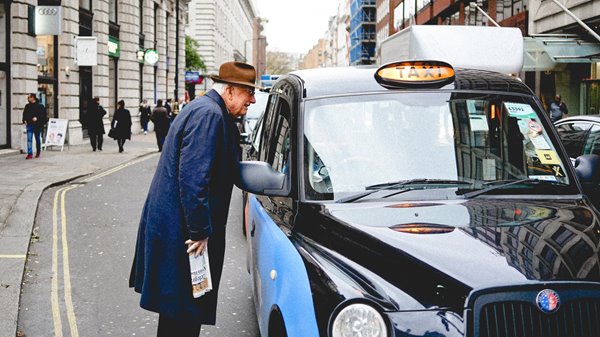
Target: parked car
581, 136
417, 200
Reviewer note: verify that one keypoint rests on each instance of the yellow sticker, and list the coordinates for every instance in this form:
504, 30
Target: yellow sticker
548, 157
557, 171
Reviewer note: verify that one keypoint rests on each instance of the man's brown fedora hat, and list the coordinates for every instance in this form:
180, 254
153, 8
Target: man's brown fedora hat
237, 73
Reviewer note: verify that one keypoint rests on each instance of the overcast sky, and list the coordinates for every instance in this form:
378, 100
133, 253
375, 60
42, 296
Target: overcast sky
295, 26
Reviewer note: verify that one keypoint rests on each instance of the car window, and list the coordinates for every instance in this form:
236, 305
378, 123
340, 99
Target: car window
354, 142
256, 135
280, 141
256, 110
282, 149
572, 135
592, 142
267, 130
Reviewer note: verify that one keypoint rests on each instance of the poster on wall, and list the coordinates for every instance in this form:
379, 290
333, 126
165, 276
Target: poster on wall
86, 50
56, 132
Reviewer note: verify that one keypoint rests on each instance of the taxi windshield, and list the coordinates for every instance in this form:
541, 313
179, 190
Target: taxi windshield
461, 142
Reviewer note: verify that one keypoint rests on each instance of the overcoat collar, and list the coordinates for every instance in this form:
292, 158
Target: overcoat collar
214, 95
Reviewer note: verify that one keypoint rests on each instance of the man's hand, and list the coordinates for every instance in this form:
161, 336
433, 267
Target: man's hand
34, 119
196, 246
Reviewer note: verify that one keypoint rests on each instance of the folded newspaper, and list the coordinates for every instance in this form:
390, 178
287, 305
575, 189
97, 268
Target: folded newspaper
200, 271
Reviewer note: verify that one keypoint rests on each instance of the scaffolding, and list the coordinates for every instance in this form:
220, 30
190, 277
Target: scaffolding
362, 32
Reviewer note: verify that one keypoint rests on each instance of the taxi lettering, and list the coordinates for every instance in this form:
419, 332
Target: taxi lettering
422, 72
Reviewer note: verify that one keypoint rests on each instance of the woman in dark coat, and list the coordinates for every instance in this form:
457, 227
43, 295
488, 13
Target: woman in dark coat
145, 113
121, 123
95, 124
160, 118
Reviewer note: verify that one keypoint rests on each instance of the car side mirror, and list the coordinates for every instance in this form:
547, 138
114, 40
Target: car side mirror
258, 177
587, 168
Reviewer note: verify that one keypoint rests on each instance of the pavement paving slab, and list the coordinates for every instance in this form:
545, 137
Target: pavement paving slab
22, 183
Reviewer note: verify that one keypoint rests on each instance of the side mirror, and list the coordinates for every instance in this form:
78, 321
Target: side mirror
258, 177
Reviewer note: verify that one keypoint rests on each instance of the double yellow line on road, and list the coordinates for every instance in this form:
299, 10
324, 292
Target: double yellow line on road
59, 203
56, 317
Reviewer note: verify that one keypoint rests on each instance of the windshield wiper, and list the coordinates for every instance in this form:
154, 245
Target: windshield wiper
506, 183
394, 185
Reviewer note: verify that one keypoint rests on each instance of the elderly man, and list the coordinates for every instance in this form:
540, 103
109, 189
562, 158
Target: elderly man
188, 202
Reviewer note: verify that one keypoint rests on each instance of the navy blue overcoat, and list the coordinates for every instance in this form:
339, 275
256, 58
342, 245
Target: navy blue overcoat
188, 199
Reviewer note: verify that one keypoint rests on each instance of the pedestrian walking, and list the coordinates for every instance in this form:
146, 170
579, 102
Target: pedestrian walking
169, 107
121, 125
34, 118
95, 117
558, 109
188, 202
160, 118
145, 113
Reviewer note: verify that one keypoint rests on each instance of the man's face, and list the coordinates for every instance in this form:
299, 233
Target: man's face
238, 99
30, 99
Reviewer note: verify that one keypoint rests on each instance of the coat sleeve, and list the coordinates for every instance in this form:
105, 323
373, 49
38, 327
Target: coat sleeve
199, 146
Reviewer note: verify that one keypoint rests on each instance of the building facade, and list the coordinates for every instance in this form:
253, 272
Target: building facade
572, 68
561, 55
69, 51
226, 31
363, 35
316, 56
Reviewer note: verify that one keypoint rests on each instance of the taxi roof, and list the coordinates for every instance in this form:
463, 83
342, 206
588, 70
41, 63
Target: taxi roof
348, 80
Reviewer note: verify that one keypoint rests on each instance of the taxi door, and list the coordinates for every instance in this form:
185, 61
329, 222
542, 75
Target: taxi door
281, 290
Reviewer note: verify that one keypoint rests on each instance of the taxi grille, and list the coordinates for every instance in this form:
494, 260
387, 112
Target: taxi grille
513, 312
520, 319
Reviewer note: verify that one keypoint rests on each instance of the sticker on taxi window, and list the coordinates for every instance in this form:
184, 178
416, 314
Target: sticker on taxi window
520, 110
546, 178
539, 142
534, 126
548, 157
557, 170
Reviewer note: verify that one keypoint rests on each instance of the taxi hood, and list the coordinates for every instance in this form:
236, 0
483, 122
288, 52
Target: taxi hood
504, 241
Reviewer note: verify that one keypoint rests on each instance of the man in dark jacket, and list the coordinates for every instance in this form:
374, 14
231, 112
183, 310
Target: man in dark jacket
95, 125
160, 118
34, 118
558, 109
188, 202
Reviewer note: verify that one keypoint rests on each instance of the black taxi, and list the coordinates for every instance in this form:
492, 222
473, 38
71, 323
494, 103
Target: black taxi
416, 199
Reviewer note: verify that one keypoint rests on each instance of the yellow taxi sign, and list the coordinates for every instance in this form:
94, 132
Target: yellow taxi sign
414, 73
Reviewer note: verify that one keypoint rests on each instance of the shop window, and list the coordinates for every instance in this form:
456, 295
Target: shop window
85, 4
3, 110
112, 11
45, 56
2, 34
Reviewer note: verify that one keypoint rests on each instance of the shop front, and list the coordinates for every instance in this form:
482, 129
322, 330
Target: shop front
563, 64
47, 65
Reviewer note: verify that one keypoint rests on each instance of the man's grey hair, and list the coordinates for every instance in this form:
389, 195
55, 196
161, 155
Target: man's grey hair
220, 87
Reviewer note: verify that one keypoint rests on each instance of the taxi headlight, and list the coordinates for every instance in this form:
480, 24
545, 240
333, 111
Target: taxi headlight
359, 320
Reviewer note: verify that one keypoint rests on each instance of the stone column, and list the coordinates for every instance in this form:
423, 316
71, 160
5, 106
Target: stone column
23, 70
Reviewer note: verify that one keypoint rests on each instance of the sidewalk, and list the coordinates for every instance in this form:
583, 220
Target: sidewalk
21, 185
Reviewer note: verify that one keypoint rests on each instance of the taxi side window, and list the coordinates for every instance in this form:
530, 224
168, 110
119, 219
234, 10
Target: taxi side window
280, 141
267, 128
